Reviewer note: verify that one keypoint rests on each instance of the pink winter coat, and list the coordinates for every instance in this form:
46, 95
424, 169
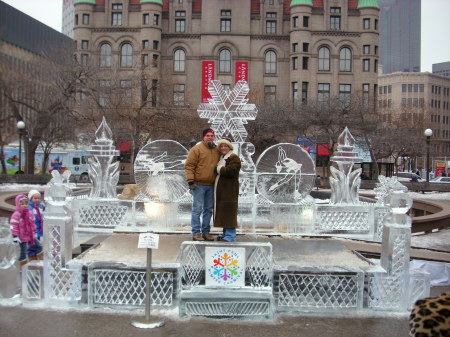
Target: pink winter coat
22, 222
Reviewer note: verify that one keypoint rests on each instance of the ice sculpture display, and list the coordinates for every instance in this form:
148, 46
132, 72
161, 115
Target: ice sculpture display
104, 173
285, 173
9, 252
345, 181
274, 199
159, 171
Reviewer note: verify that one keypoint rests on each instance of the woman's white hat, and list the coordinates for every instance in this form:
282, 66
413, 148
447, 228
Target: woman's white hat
226, 142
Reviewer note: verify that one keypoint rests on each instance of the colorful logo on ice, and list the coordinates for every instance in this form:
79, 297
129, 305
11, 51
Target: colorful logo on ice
226, 266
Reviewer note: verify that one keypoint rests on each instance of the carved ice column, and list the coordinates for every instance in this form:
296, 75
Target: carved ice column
391, 290
102, 171
60, 283
345, 182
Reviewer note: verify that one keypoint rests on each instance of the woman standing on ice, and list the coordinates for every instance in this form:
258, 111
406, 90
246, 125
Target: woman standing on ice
226, 191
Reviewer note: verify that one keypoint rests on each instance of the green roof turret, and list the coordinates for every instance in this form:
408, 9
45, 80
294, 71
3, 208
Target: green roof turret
368, 3
85, 1
155, 1
301, 2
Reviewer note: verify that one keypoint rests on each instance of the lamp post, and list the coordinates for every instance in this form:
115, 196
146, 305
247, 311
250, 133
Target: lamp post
21, 127
428, 133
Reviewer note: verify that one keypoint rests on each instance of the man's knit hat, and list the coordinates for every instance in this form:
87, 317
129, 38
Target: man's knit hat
204, 132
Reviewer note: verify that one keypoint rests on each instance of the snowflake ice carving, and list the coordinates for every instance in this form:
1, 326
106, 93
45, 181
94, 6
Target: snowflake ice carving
228, 111
225, 267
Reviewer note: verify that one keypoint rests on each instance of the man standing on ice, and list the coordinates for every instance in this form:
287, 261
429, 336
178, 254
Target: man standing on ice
200, 174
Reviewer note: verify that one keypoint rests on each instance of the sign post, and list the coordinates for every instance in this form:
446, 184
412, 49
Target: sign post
149, 241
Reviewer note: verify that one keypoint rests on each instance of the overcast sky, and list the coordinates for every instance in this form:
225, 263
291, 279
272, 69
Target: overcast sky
435, 25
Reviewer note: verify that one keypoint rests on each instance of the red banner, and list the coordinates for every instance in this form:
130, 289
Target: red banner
207, 75
241, 71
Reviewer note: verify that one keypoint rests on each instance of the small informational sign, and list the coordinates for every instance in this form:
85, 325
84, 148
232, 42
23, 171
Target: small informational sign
225, 266
148, 240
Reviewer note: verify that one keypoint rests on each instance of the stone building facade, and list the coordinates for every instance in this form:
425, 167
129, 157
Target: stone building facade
297, 50
422, 92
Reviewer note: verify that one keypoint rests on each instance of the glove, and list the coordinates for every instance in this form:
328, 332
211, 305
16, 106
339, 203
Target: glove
16, 240
192, 185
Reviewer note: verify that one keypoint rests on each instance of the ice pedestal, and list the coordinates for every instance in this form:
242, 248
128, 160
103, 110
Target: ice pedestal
9, 267
231, 280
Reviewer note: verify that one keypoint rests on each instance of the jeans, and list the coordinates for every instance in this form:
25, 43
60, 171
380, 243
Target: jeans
27, 249
202, 205
229, 234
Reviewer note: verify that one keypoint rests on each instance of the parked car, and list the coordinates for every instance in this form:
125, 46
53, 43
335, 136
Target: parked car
441, 180
408, 177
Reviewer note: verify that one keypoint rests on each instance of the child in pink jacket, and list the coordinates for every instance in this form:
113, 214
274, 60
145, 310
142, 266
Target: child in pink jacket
23, 227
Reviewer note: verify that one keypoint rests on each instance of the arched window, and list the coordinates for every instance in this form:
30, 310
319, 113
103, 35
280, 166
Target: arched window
324, 59
105, 55
126, 55
179, 61
345, 59
270, 62
225, 61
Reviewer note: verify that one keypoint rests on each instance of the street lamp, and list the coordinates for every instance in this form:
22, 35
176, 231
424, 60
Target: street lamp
428, 133
21, 127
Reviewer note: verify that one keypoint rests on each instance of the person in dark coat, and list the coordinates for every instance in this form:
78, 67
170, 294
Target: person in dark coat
226, 192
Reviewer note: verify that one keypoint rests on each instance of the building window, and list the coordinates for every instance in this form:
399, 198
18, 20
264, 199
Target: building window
178, 94
145, 19
306, 21
156, 19
323, 93
225, 12
271, 23
335, 18
225, 61
366, 23
376, 24
103, 97
295, 63
179, 61
127, 93
180, 14
271, 2
305, 61
271, 27
144, 44
105, 55
145, 59
295, 22
324, 59
155, 61
375, 65
270, 92
126, 55
154, 91
304, 92
155, 44
366, 64
376, 50
85, 19
76, 19
225, 25
295, 47
226, 87
404, 87
84, 59
345, 91
116, 16
294, 92
270, 64
345, 59
365, 90
84, 44
305, 47
180, 25
366, 49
